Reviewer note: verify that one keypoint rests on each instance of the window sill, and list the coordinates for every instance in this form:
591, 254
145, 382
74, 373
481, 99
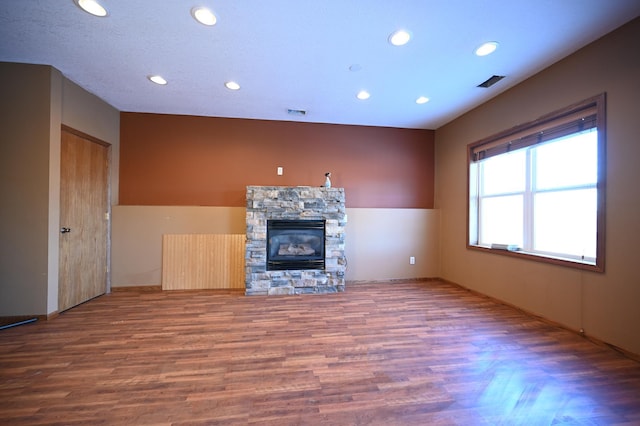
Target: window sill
537, 257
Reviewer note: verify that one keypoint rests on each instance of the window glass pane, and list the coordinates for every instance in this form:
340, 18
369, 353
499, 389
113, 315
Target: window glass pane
503, 173
568, 161
501, 220
566, 222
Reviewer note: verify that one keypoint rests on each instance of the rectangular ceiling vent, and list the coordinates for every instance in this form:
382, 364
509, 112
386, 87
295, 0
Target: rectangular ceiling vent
491, 81
297, 112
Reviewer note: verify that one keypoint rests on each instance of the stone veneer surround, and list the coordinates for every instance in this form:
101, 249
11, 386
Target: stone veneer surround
294, 203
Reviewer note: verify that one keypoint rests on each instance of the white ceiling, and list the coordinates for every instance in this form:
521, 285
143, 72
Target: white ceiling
297, 54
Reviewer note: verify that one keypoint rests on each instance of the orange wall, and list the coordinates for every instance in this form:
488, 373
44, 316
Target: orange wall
188, 160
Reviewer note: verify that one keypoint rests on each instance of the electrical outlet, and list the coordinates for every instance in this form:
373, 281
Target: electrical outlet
280, 171
412, 260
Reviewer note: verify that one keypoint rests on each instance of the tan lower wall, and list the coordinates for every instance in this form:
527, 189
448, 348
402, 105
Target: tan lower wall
379, 242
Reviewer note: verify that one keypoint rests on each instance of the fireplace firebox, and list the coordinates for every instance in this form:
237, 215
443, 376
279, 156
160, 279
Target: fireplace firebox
295, 244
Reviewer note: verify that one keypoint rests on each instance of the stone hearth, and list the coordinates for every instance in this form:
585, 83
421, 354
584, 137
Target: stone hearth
295, 203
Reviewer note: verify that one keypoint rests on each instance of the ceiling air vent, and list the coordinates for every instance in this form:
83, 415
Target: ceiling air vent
297, 112
491, 81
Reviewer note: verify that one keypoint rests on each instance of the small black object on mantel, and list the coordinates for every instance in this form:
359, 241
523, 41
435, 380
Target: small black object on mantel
327, 181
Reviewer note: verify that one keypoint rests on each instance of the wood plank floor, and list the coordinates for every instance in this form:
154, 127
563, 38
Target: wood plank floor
396, 354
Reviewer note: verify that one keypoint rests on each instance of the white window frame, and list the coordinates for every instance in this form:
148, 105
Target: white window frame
523, 136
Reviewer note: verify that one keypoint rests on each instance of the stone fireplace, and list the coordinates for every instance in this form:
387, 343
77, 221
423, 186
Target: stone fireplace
295, 240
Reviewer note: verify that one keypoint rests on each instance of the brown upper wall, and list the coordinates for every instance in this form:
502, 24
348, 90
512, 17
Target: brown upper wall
187, 160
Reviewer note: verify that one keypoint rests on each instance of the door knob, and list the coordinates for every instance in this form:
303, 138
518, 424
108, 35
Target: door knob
65, 230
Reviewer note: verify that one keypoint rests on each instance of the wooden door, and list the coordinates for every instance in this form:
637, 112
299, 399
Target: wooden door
83, 219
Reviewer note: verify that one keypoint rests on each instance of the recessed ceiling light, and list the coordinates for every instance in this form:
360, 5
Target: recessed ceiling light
232, 85
92, 7
157, 79
204, 16
422, 100
399, 38
487, 48
363, 94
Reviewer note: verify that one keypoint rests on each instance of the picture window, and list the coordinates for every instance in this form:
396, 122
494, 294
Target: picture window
538, 190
